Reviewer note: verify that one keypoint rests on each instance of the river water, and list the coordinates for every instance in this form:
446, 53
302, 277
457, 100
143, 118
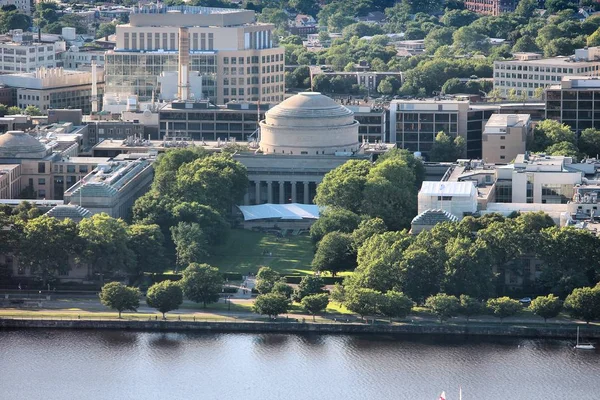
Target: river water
90, 365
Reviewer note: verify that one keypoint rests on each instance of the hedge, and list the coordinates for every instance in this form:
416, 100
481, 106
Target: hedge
327, 280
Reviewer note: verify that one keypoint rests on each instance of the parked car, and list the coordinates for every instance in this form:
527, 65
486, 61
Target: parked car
525, 301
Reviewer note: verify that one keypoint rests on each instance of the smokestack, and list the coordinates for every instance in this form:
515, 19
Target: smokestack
183, 84
94, 97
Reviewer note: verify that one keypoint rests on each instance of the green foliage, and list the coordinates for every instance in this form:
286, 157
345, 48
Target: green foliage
567, 149
362, 301
271, 304
447, 149
546, 306
335, 253
315, 303
366, 229
106, 245
469, 306
190, 243
119, 297
309, 285
266, 279
106, 29
343, 186
338, 293
584, 303
14, 20
283, 289
589, 142
165, 296
458, 18
332, 220
395, 305
549, 132
147, 243
32, 110
503, 307
443, 305
201, 283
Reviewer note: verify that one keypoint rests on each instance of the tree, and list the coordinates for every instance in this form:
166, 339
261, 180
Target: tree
32, 110
458, 18
201, 283
446, 149
14, 110
468, 268
315, 303
335, 253
438, 37
338, 293
554, 6
503, 307
165, 296
525, 44
549, 132
385, 87
106, 245
146, 242
443, 305
13, 19
589, 142
117, 296
271, 304
309, 285
334, 220
469, 306
546, 306
363, 301
566, 149
366, 229
584, 303
390, 193
282, 288
46, 246
266, 279
190, 243
468, 39
106, 29
395, 305
343, 186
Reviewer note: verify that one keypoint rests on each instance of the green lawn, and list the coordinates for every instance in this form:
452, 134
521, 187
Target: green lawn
246, 251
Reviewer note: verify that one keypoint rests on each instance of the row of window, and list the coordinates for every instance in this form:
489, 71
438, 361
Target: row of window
22, 52
521, 84
560, 70
164, 41
271, 58
252, 70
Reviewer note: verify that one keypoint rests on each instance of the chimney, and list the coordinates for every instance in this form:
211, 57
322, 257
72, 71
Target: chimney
183, 84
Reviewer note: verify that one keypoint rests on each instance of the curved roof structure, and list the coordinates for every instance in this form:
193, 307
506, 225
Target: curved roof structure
18, 144
309, 105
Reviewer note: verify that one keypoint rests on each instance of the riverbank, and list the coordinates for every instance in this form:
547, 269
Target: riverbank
555, 332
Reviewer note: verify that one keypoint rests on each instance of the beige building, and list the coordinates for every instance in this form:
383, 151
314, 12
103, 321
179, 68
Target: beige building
232, 53
504, 137
10, 181
528, 72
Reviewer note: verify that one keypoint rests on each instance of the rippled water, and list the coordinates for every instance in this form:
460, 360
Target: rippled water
94, 365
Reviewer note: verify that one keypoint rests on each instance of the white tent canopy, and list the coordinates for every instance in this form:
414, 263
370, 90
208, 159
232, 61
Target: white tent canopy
280, 211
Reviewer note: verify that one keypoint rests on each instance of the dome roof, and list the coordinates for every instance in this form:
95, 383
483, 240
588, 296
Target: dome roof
18, 144
309, 105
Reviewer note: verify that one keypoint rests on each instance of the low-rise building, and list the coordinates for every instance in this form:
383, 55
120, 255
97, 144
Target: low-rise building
505, 136
526, 73
47, 88
20, 53
491, 7
457, 198
112, 187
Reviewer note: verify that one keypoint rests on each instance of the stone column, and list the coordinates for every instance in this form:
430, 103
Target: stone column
306, 188
247, 199
294, 191
257, 192
281, 192
269, 191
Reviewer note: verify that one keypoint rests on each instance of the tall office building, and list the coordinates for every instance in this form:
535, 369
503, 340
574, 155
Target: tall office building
232, 57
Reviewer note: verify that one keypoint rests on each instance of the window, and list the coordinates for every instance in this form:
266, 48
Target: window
210, 41
41, 181
502, 157
41, 168
502, 147
502, 137
71, 169
83, 169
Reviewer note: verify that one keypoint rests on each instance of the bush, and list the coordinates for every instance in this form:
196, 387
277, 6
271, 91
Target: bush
233, 276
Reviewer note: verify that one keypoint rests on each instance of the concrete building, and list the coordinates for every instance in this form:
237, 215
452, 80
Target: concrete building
575, 102
24, 6
10, 181
373, 122
201, 120
53, 88
81, 58
20, 53
505, 136
232, 54
491, 7
457, 198
309, 123
527, 72
112, 187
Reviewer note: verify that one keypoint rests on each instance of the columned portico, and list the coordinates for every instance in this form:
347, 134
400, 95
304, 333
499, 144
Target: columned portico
269, 192
306, 188
294, 191
257, 192
281, 192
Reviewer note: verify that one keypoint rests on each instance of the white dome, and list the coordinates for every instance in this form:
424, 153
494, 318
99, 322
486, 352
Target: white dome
309, 123
18, 144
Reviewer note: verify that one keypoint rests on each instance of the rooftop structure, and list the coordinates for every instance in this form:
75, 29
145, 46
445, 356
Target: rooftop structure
112, 187
73, 212
429, 218
505, 136
458, 198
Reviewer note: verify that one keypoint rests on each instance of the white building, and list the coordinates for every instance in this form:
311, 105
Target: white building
458, 198
22, 54
527, 72
22, 5
81, 58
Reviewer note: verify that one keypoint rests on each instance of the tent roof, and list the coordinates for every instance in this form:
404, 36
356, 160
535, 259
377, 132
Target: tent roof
281, 211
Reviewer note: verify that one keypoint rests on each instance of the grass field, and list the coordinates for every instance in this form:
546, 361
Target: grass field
247, 251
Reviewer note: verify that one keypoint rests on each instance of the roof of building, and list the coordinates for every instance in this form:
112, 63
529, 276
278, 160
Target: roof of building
551, 61
502, 120
20, 144
71, 211
433, 217
280, 211
457, 189
309, 105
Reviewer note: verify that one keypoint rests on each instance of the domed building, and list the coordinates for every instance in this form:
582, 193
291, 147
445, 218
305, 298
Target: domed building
309, 123
18, 144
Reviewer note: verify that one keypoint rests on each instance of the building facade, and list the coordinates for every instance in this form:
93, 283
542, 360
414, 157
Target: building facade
504, 137
491, 7
234, 55
575, 102
527, 76
22, 54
